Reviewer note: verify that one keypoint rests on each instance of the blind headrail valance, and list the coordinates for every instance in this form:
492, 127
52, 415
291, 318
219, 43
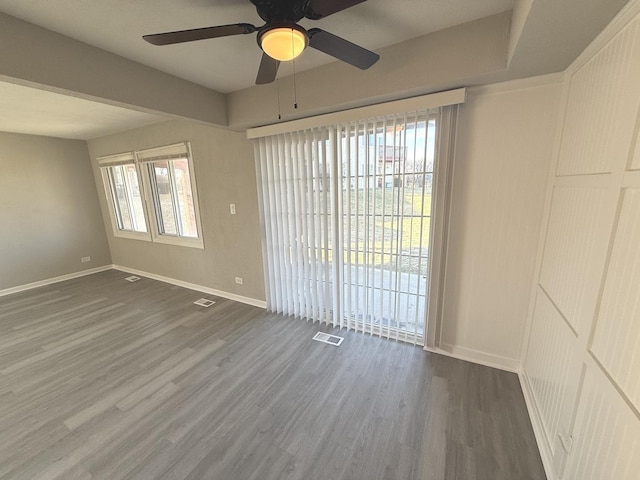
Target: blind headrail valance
424, 102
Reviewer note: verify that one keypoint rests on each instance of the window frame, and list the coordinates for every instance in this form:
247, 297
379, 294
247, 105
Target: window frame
143, 161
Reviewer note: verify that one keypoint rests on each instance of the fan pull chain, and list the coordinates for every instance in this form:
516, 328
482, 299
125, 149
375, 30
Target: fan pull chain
295, 90
278, 90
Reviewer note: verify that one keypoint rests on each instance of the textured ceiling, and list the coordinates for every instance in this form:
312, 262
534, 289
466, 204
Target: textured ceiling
39, 112
229, 64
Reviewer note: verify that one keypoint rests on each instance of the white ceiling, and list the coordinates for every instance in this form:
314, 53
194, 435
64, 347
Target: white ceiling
229, 64
39, 112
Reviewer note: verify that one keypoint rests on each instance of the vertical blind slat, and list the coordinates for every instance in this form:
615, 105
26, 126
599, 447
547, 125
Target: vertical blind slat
319, 237
304, 229
424, 168
382, 140
367, 243
349, 231
326, 226
257, 145
272, 218
282, 232
357, 306
275, 243
402, 139
337, 246
263, 191
293, 208
413, 193
313, 283
424, 183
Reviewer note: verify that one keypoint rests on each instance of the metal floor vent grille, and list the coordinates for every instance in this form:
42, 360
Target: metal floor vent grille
328, 338
204, 302
132, 278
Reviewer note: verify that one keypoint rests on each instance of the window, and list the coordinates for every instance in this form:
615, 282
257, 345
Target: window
172, 194
155, 188
124, 196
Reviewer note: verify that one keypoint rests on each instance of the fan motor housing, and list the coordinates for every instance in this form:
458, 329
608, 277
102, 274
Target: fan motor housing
281, 38
281, 10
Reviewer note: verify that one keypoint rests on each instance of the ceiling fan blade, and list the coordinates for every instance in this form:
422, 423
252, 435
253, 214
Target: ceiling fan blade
181, 36
268, 70
323, 8
342, 49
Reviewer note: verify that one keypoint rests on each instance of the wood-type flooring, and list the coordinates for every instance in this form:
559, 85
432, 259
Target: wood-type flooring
101, 378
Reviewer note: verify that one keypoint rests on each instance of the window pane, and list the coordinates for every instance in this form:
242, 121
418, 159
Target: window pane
119, 190
184, 197
135, 195
173, 197
163, 198
127, 199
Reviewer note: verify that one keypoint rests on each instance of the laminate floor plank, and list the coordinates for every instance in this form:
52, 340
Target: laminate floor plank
103, 379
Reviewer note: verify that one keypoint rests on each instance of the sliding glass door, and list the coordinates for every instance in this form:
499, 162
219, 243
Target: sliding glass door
346, 211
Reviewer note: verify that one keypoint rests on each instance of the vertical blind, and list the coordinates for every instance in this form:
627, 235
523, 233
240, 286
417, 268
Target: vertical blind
346, 212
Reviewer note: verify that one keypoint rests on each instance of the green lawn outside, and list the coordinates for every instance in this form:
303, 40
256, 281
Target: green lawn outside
379, 230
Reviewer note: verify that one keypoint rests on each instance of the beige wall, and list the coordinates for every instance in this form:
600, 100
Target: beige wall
49, 212
225, 173
438, 61
504, 144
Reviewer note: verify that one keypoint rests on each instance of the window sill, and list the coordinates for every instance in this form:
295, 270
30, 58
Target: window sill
179, 241
164, 239
146, 237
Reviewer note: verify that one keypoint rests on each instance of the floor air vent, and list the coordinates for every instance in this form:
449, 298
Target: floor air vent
203, 302
328, 338
132, 278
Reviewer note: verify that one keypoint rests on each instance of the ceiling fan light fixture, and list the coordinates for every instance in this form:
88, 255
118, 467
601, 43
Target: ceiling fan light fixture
283, 43
281, 38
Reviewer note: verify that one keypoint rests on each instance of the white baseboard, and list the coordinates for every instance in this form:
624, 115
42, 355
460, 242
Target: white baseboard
193, 286
476, 356
172, 281
536, 422
49, 281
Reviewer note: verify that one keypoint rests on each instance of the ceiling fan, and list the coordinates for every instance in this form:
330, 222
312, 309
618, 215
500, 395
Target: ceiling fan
281, 38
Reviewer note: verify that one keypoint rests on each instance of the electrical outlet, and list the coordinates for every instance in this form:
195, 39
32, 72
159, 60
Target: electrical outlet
232, 208
85, 259
239, 280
